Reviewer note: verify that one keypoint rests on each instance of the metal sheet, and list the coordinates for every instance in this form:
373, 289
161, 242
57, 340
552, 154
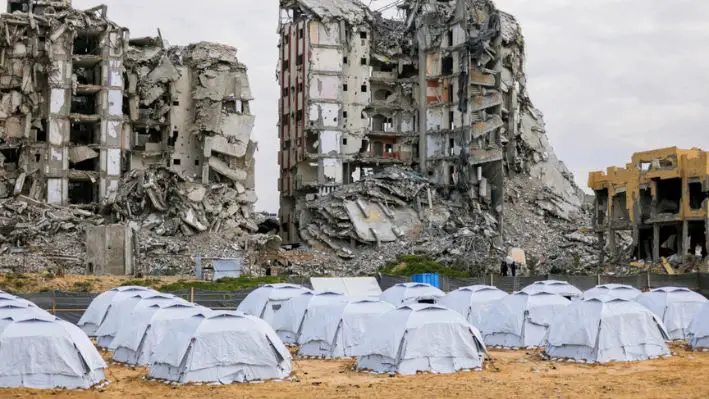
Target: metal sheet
358, 287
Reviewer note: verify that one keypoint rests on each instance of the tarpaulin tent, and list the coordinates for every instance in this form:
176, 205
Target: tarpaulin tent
99, 307
121, 314
553, 287
411, 292
471, 301
675, 306
605, 329
333, 329
266, 300
42, 351
520, 319
222, 347
135, 342
11, 309
288, 321
420, 337
698, 330
9, 298
621, 291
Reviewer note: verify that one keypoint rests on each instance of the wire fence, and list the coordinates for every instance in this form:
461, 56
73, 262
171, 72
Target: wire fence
71, 305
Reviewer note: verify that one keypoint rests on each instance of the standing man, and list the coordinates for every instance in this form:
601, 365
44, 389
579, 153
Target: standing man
504, 267
513, 267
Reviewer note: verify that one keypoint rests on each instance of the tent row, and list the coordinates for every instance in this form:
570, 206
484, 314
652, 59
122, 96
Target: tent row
610, 322
183, 342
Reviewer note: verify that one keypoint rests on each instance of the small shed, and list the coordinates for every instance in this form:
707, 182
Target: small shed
208, 268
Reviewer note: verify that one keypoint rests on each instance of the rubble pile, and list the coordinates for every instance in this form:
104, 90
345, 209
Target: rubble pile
442, 226
35, 236
165, 203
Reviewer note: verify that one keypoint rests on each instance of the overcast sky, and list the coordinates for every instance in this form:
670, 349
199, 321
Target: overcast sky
611, 76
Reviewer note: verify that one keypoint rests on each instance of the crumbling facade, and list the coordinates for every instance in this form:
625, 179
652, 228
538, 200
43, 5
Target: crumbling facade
141, 133
661, 197
441, 92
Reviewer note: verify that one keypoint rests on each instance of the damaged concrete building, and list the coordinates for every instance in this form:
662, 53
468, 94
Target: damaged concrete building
83, 103
440, 91
661, 198
91, 118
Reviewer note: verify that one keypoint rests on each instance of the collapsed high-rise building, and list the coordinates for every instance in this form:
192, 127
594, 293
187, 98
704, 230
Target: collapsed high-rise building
132, 127
82, 104
441, 91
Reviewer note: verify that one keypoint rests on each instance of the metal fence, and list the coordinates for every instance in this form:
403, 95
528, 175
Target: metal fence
70, 306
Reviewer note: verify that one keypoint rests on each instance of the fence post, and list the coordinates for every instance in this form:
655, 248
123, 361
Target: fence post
492, 282
649, 287
192, 294
598, 279
54, 303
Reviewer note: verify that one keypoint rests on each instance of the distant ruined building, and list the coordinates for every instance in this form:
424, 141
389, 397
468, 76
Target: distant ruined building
661, 197
442, 91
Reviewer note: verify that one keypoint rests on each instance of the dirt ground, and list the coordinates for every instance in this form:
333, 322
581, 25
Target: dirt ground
519, 374
36, 282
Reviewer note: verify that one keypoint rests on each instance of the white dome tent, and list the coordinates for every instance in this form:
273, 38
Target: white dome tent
9, 298
402, 293
45, 352
675, 306
605, 329
12, 309
334, 329
557, 287
266, 300
121, 314
621, 291
288, 321
698, 330
99, 307
420, 337
222, 347
471, 301
135, 342
521, 319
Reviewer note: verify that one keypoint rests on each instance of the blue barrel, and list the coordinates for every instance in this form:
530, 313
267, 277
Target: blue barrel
428, 278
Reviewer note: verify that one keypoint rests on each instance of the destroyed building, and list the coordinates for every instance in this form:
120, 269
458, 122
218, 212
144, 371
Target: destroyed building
660, 197
441, 92
142, 132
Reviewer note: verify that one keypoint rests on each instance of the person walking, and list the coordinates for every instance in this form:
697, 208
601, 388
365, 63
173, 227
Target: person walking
513, 267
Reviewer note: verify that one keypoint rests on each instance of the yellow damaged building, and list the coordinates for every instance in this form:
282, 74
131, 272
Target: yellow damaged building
661, 196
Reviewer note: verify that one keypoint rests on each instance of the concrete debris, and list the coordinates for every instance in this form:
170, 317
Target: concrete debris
165, 203
360, 226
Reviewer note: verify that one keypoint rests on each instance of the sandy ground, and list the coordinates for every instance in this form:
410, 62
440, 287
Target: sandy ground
518, 375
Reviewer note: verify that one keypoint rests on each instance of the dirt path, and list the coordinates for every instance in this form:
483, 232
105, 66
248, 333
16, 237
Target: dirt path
520, 375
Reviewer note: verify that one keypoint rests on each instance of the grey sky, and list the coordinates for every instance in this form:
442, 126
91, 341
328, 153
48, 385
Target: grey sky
611, 76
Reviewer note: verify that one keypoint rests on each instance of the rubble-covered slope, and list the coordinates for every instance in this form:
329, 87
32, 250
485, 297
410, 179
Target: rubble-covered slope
441, 227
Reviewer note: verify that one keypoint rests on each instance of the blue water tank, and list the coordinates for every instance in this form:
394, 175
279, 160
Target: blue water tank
428, 278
